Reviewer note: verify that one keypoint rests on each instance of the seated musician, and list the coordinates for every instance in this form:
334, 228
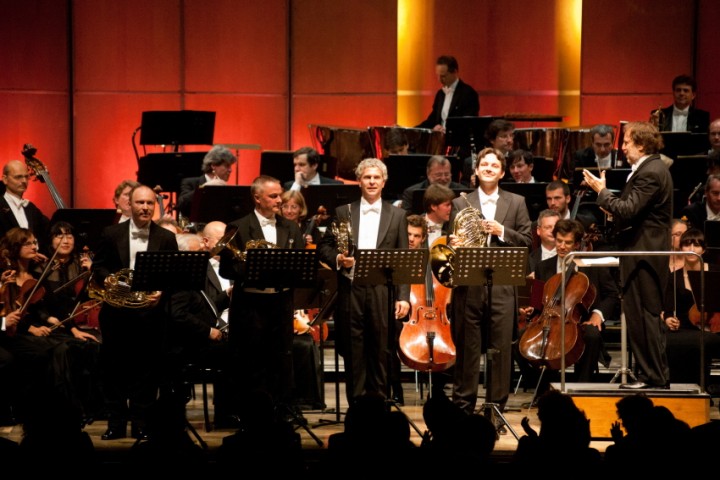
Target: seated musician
438, 170
194, 337
568, 236
682, 317
48, 360
599, 154
307, 365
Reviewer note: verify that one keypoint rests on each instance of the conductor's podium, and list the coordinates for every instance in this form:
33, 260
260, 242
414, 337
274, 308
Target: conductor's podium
685, 400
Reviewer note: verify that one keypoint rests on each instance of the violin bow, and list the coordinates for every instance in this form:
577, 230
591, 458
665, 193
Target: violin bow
43, 276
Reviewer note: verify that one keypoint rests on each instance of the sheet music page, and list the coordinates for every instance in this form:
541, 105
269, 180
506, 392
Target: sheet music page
598, 262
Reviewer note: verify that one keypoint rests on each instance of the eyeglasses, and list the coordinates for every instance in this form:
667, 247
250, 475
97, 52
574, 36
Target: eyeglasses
33, 243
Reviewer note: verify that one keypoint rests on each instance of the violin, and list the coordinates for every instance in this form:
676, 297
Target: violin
31, 292
712, 324
303, 324
315, 220
425, 342
541, 342
41, 173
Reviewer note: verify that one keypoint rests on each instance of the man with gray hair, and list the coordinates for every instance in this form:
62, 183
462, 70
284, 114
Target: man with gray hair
216, 169
361, 314
438, 170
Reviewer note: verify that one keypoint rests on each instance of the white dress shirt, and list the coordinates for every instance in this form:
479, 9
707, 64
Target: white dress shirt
17, 205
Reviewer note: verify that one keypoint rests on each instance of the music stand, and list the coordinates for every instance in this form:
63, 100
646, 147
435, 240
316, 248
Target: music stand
171, 270
534, 193
283, 268
168, 169
87, 223
489, 266
177, 127
391, 267
224, 203
466, 133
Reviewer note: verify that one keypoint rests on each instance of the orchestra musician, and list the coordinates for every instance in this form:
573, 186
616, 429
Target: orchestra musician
568, 236
216, 169
681, 116
261, 319
361, 312
507, 221
132, 337
681, 315
195, 338
306, 161
121, 199
307, 364
16, 211
47, 361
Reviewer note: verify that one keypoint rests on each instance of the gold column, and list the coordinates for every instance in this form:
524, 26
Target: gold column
415, 39
568, 28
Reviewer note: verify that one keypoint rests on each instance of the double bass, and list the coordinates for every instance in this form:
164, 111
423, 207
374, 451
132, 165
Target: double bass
425, 342
41, 173
541, 343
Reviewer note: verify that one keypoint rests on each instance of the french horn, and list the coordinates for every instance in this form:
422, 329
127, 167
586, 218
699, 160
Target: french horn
117, 291
229, 241
469, 231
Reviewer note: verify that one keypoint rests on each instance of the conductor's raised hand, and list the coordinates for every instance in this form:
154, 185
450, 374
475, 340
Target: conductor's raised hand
596, 183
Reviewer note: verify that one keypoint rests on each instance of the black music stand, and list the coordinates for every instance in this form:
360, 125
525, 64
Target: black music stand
88, 223
490, 266
467, 133
391, 267
224, 203
177, 127
283, 268
171, 270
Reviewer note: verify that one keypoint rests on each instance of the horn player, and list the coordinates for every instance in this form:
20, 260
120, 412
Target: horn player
261, 320
508, 223
364, 333
131, 337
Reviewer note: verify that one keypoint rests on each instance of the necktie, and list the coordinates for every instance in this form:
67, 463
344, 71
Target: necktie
143, 234
371, 208
267, 222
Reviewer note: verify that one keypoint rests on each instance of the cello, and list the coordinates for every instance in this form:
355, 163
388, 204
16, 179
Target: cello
425, 342
541, 342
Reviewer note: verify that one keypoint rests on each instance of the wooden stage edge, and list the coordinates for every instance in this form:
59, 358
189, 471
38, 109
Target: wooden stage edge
685, 400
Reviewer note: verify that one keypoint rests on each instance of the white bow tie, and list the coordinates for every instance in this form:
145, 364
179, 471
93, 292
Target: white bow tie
680, 113
447, 90
434, 228
489, 200
265, 222
372, 208
24, 202
142, 234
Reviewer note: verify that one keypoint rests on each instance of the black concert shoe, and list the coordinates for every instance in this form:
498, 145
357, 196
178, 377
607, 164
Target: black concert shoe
138, 433
113, 434
397, 394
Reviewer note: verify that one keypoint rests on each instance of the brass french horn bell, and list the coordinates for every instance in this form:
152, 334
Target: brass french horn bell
228, 241
441, 263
